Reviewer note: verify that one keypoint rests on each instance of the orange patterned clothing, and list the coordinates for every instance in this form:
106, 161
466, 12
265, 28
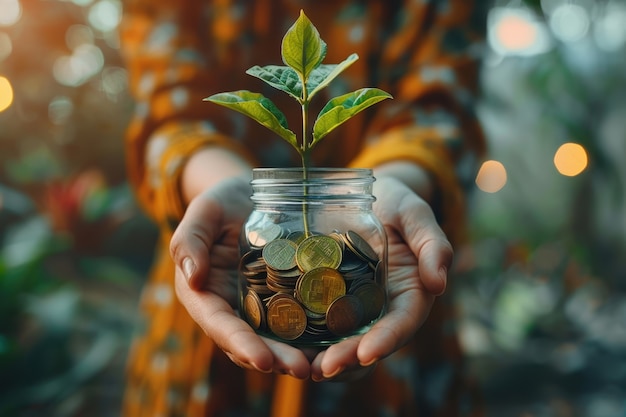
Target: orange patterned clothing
425, 53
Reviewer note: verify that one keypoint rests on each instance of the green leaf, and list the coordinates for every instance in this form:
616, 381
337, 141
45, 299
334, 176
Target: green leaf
342, 108
321, 76
259, 108
280, 77
302, 47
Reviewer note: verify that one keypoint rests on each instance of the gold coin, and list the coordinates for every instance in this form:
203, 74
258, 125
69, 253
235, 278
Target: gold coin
318, 251
319, 287
361, 247
280, 254
286, 317
344, 315
254, 310
339, 239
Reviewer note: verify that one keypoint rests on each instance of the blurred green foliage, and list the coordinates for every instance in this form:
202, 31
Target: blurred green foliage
74, 247
541, 286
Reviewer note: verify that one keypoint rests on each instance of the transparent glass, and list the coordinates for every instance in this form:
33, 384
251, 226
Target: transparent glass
313, 267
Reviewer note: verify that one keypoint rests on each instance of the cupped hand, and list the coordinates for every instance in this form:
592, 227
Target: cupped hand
419, 258
205, 250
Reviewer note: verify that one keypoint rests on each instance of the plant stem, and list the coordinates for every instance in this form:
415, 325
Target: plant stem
305, 155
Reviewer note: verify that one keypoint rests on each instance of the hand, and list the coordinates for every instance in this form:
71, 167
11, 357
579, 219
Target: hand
206, 253
419, 258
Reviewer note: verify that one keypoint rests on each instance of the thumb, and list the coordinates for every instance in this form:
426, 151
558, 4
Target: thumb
193, 238
434, 260
429, 244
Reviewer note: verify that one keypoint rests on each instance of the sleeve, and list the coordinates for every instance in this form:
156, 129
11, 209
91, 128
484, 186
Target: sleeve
430, 63
170, 70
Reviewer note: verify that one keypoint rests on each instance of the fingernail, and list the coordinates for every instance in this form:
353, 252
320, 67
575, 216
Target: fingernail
188, 267
334, 373
368, 363
443, 276
258, 368
315, 378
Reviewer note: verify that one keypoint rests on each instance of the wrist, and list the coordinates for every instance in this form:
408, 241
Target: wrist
210, 166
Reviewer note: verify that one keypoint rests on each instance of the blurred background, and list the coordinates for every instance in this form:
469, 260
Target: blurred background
540, 288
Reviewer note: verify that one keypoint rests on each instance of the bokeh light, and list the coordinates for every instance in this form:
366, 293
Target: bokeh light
60, 109
6, 93
570, 159
570, 22
77, 35
491, 176
105, 15
516, 31
114, 82
610, 28
74, 70
6, 46
10, 12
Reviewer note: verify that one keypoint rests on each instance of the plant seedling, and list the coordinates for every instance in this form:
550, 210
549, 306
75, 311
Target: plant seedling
302, 78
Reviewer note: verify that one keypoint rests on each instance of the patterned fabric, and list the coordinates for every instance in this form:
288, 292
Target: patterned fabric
425, 53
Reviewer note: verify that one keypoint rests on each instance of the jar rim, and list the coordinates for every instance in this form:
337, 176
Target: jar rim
315, 173
318, 169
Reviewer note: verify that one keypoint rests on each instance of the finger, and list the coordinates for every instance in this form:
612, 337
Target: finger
427, 241
406, 315
288, 360
435, 257
340, 364
231, 334
334, 360
192, 241
317, 374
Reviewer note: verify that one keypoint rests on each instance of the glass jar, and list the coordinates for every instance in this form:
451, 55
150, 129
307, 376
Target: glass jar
313, 267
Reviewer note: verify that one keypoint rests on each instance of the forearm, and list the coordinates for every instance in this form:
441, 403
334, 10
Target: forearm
208, 167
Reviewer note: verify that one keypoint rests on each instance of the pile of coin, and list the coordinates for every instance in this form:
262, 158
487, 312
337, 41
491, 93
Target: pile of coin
312, 288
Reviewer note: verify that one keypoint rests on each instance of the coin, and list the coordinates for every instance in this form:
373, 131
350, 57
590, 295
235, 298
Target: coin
350, 261
280, 254
361, 247
296, 236
372, 297
254, 310
313, 288
252, 263
344, 315
318, 251
286, 317
319, 287
338, 238
260, 236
